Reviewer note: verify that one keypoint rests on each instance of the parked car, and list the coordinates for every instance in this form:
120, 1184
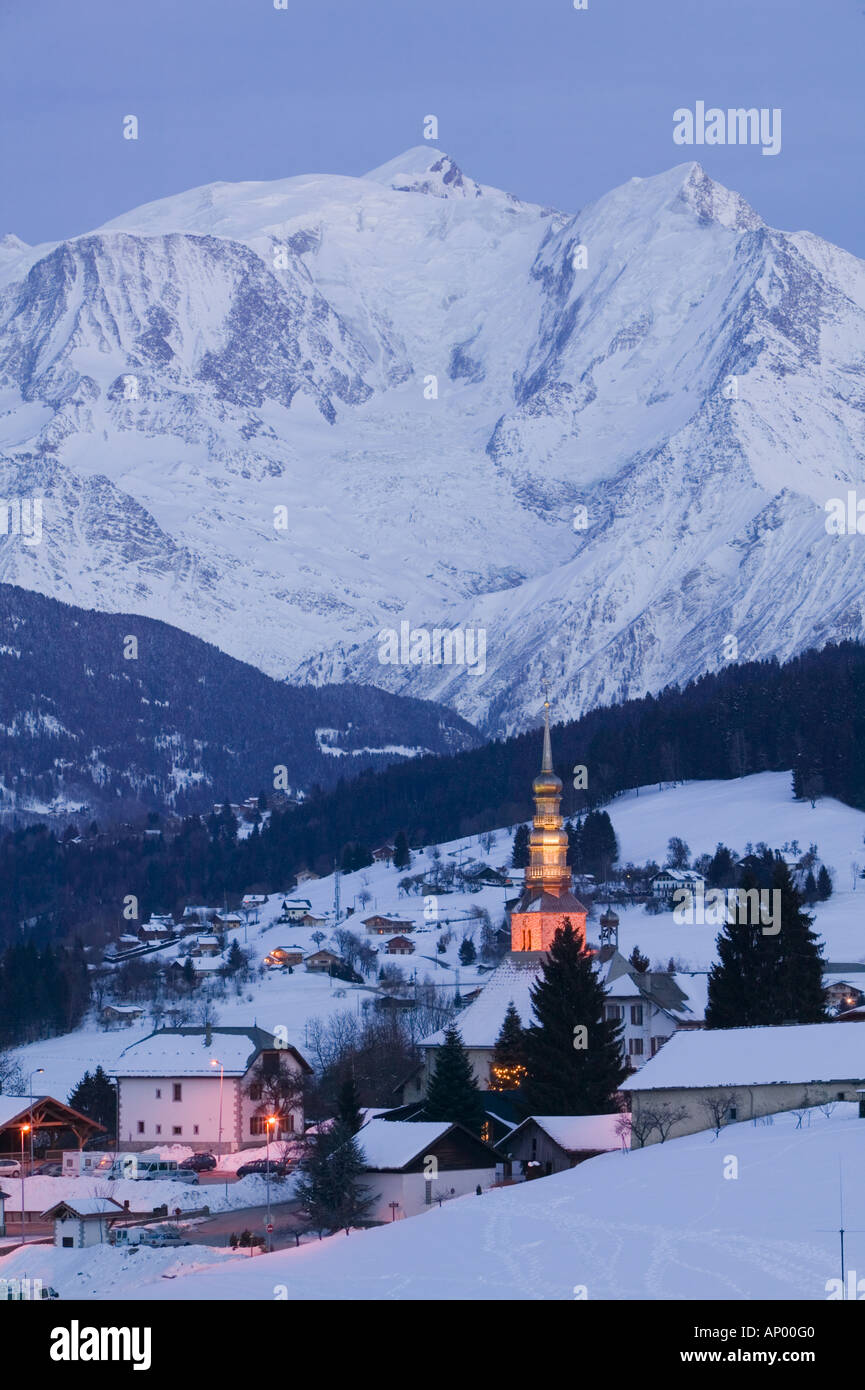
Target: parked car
48, 1170
261, 1165
10, 1168
199, 1163
146, 1169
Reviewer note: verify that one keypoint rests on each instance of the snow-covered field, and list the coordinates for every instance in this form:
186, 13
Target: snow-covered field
750, 809
42, 1193
659, 1223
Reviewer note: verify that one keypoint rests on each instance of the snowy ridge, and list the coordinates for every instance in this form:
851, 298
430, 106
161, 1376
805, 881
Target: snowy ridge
281, 339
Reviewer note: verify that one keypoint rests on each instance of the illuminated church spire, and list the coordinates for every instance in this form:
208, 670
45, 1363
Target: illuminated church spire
547, 898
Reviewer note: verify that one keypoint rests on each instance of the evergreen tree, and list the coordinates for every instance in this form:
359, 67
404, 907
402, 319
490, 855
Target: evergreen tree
824, 884
599, 847
799, 995
740, 980
401, 855
638, 961
235, 960
765, 978
520, 854
508, 1069
467, 953
722, 869
573, 1054
96, 1097
328, 1186
348, 1106
453, 1092
810, 893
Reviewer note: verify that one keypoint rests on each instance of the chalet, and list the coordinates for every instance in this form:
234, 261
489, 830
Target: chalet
322, 960
399, 946
480, 1024
382, 922
226, 921
734, 1074
309, 919
157, 929
480, 875
384, 854
280, 957
666, 883
196, 917
205, 946
120, 1015
82, 1221
251, 900
545, 1144
397, 1165
294, 908
201, 1087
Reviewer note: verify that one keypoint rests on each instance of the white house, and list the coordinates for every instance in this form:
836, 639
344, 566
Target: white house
665, 883
81, 1221
651, 1005
294, 908
207, 1088
410, 1166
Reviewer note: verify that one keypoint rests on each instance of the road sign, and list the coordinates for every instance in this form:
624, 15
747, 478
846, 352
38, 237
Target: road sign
270, 1228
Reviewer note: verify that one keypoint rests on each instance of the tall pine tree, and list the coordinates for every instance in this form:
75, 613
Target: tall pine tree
453, 1093
573, 1054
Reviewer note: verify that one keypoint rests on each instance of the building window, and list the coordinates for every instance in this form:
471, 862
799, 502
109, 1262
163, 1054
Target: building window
159, 1093
255, 1091
195, 1129
177, 1129
159, 1129
140, 1126
614, 1013
635, 1047
485, 1131
839, 1095
289, 1125
178, 1091
637, 1014
68, 1242
731, 1115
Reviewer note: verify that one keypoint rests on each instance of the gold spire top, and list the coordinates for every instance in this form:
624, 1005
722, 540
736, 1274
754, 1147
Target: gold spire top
546, 782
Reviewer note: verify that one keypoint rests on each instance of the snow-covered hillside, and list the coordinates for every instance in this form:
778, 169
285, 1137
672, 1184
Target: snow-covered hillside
170, 379
750, 809
658, 1223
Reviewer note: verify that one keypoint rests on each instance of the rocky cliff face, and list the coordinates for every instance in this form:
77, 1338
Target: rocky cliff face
287, 416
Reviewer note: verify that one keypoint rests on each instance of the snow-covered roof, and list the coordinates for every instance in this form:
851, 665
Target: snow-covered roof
754, 1057
11, 1106
480, 1024
575, 1132
680, 875
186, 1052
394, 1143
86, 1206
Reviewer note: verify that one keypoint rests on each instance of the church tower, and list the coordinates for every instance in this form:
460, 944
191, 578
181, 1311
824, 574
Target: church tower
548, 897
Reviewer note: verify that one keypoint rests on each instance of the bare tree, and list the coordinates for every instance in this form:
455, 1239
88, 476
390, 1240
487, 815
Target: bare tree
717, 1110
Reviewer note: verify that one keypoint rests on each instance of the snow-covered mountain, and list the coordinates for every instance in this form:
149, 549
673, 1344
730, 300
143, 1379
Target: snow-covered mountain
284, 416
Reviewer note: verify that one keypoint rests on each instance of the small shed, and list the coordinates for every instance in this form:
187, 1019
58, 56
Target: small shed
545, 1144
410, 1166
121, 1015
82, 1221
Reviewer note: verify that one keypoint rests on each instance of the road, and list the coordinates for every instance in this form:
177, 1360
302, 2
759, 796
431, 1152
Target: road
216, 1229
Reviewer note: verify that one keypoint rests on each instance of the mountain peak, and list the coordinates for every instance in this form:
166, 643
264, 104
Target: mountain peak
713, 202
424, 169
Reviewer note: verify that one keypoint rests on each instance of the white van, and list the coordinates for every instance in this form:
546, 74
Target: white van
143, 1168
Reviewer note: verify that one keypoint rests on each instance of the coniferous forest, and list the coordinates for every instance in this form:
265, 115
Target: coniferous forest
806, 715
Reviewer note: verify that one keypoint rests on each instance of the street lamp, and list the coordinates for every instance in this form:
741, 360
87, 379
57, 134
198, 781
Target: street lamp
24, 1130
215, 1062
270, 1120
38, 1072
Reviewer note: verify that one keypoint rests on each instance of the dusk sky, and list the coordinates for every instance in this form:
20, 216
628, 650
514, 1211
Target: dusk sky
554, 104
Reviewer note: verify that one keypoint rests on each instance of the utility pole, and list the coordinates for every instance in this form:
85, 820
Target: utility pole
335, 892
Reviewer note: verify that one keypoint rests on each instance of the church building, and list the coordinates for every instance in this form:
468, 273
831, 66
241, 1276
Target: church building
547, 899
